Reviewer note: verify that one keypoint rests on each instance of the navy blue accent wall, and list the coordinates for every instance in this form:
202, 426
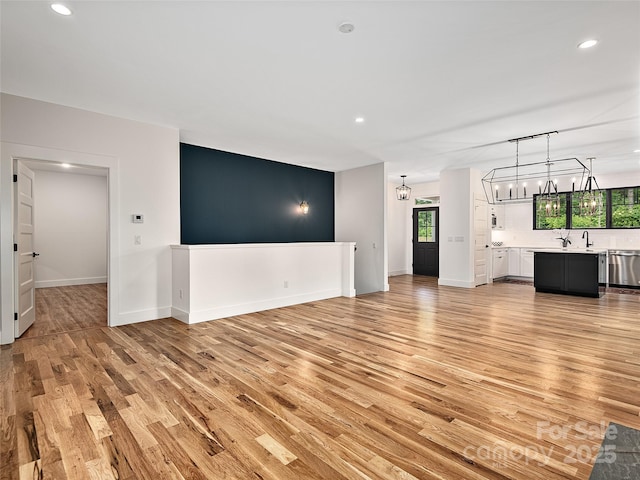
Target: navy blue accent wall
231, 198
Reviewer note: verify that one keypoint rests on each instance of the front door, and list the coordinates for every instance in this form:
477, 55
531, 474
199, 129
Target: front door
24, 256
425, 241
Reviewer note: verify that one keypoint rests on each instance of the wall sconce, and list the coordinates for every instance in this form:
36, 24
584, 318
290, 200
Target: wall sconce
304, 207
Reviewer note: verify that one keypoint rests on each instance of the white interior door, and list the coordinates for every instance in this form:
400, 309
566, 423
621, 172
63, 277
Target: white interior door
24, 257
481, 249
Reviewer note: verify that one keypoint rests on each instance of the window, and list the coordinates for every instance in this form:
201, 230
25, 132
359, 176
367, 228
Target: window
611, 208
550, 215
589, 210
625, 207
427, 200
426, 226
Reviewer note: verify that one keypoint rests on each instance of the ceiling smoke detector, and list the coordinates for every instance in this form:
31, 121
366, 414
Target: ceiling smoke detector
346, 27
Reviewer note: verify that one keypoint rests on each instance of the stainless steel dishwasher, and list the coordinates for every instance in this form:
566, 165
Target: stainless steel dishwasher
624, 268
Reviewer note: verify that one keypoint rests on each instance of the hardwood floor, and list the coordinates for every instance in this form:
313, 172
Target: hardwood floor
64, 309
426, 382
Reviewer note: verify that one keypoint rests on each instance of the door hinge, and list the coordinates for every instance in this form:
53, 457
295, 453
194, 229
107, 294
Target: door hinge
15, 177
15, 316
15, 247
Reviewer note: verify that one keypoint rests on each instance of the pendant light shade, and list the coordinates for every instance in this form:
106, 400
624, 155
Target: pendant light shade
403, 192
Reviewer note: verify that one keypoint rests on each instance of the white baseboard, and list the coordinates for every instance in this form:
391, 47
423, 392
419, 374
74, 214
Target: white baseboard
252, 307
349, 292
395, 273
455, 283
180, 314
65, 282
141, 316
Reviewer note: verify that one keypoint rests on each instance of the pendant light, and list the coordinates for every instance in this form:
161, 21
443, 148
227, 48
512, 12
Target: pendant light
517, 183
591, 198
403, 192
550, 197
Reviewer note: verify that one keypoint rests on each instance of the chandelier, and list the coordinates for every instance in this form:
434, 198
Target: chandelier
403, 192
591, 199
516, 183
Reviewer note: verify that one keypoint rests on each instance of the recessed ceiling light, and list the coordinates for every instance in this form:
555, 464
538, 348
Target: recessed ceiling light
636, 151
61, 9
588, 44
65, 165
359, 120
346, 27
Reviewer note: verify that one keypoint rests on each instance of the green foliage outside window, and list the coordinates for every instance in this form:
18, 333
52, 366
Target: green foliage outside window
584, 215
625, 207
549, 218
426, 226
624, 211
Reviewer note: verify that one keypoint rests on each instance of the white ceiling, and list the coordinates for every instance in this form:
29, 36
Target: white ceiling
440, 84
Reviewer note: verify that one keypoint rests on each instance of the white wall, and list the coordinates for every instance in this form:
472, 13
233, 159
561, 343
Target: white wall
457, 189
398, 217
143, 162
519, 224
361, 217
70, 228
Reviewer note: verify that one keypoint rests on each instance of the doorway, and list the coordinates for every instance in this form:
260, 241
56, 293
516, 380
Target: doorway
426, 225
70, 235
13, 151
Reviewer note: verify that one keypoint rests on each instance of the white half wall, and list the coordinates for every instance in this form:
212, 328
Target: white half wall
70, 228
216, 281
143, 162
361, 217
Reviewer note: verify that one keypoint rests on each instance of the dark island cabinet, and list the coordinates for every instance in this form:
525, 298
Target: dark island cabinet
569, 273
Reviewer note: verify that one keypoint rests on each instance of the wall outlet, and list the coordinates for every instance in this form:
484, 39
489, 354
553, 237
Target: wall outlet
180, 293
286, 284
137, 240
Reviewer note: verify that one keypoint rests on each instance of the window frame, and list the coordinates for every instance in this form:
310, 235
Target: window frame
569, 211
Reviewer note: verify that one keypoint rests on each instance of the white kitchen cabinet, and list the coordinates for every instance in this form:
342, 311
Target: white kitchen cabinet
514, 262
500, 263
526, 262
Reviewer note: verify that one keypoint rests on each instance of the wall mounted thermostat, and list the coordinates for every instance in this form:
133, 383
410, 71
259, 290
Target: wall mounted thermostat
137, 218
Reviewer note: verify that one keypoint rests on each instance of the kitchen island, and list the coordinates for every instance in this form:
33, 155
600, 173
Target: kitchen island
570, 271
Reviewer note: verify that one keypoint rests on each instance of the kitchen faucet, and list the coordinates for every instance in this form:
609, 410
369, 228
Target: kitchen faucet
587, 234
565, 240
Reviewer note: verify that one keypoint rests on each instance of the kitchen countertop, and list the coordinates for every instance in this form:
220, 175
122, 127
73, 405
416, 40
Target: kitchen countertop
592, 251
555, 249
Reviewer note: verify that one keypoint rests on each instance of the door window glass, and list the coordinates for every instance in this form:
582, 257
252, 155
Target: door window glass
427, 226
